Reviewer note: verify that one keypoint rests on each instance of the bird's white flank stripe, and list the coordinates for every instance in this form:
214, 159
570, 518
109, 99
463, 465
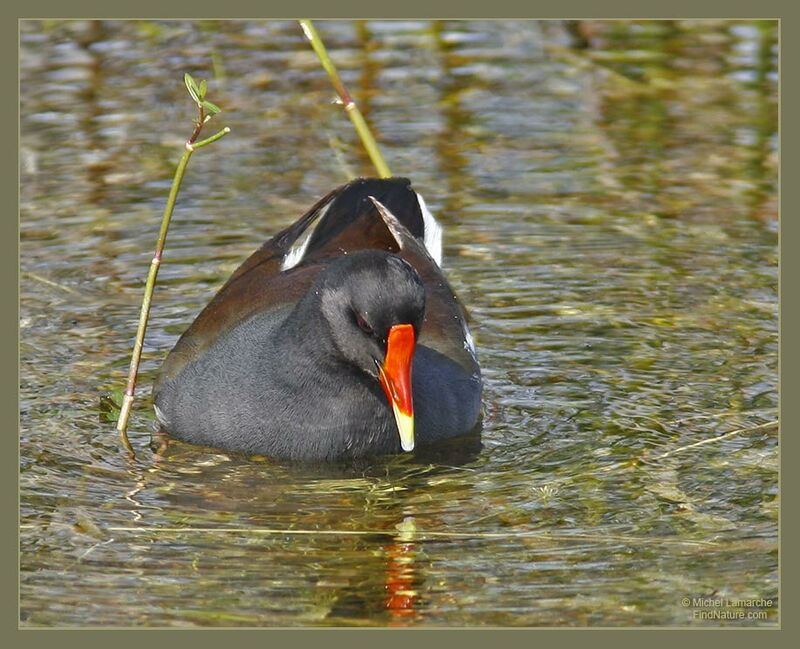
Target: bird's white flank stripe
160, 416
469, 343
395, 227
295, 254
433, 232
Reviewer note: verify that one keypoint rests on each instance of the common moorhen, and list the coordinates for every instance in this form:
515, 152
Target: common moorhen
338, 338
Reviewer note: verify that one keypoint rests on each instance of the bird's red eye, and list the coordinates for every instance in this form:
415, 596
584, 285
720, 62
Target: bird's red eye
363, 324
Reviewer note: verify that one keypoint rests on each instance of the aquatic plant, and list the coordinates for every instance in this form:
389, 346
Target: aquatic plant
205, 111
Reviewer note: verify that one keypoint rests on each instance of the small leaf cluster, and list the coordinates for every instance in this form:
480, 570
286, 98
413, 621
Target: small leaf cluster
198, 94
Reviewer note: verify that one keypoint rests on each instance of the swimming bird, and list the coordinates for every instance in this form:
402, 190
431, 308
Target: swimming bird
339, 338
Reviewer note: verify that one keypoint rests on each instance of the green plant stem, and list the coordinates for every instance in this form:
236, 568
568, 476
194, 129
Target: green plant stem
209, 140
155, 264
349, 104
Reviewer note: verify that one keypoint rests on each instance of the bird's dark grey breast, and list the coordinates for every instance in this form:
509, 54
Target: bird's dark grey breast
447, 399
246, 394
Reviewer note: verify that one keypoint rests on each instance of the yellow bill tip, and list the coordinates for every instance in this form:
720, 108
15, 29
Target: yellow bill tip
405, 426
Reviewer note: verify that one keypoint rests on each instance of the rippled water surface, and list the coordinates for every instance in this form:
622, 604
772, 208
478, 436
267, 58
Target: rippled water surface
609, 194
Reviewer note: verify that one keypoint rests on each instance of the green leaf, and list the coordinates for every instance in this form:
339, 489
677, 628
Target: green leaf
202, 90
191, 86
211, 108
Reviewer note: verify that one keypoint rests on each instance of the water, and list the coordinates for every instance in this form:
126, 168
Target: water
611, 220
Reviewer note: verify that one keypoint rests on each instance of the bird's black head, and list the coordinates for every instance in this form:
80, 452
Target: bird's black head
363, 295
373, 304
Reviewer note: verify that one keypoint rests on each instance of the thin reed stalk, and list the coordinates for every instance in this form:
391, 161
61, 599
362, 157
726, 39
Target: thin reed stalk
346, 99
206, 110
718, 438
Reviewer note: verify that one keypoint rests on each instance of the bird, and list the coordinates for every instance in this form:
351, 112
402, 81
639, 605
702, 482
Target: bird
339, 338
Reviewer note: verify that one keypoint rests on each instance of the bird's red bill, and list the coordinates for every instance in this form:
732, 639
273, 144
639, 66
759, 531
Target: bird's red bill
395, 378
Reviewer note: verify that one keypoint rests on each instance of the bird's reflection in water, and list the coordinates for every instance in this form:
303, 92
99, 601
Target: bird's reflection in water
392, 596
401, 575
378, 576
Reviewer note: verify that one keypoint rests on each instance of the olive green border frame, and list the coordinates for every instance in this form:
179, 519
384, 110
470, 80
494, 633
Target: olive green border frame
11, 12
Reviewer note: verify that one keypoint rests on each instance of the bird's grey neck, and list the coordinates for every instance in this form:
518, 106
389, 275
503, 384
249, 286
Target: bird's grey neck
305, 334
